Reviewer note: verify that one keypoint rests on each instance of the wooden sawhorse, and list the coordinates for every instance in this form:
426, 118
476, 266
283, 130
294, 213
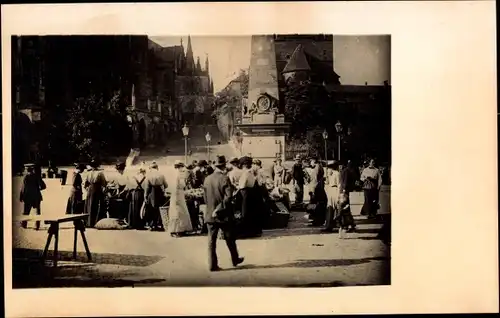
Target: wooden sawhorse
78, 222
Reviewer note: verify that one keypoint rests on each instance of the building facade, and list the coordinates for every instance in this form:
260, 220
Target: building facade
50, 72
193, 85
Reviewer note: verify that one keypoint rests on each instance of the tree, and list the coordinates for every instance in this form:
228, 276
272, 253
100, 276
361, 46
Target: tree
307, 105
97, 127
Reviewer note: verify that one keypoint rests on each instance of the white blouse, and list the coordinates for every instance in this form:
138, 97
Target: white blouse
247, 179
333, 178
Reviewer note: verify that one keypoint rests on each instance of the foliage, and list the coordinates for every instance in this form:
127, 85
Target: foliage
245, 79
97, 127
307, 105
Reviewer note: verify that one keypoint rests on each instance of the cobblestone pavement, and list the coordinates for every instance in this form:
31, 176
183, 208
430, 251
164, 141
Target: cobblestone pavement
296, 256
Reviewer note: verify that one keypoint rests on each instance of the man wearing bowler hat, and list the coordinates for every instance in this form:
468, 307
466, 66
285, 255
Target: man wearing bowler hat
219, 214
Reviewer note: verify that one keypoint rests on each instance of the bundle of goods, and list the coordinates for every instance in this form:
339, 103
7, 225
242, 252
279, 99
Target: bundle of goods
196, 194
280, 214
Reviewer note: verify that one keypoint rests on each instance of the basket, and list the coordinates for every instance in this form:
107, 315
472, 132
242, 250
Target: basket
164, 216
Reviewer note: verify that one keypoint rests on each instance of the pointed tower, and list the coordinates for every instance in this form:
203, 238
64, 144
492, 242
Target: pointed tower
207, 66
198, 66
190, 67
180, 57
297, 65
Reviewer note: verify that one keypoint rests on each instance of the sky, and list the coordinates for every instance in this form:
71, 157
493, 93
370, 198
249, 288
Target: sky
357, 59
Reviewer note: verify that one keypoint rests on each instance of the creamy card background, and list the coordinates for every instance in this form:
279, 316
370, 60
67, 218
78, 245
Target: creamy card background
444, 191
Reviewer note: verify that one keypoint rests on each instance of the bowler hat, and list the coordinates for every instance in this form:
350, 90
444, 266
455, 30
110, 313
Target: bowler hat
234, 160
220, 161
94, 163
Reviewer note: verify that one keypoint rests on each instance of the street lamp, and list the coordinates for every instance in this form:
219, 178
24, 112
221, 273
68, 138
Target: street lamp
185, 132
325, 137
208, 138
338, 128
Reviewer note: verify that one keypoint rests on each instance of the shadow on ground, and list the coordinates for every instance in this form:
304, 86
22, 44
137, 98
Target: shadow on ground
315, 263
97, 258
28, 271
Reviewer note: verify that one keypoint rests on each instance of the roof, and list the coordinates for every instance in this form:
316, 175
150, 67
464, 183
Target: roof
172, 52
298, 61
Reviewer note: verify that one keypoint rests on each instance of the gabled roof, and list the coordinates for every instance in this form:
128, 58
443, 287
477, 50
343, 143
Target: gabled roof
298, 61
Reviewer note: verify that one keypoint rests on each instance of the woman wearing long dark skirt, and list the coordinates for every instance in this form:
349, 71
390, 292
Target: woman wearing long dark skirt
136, 200
372, 181
249, 226
154, 195
94, 204
75, 200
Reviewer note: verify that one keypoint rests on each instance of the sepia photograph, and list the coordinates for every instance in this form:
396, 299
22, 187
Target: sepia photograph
260, 160
185, 158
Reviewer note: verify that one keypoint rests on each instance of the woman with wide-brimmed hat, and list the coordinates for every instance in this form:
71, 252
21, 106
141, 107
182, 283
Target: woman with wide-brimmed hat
95, 184
179, 220
75, 200
332, 185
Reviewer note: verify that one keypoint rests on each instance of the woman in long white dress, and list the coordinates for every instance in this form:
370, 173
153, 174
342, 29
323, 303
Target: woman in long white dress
332, 186
179, 222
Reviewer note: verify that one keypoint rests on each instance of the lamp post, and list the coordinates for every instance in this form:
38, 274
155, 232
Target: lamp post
208, 138
325, 137
185, 132
338, 128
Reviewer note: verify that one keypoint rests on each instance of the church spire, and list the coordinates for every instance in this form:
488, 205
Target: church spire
207, 66
198, 65
189, 56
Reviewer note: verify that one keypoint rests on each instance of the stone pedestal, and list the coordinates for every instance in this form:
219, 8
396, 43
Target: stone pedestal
264, 141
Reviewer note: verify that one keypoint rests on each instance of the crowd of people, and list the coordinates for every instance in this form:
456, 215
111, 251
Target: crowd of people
137, 198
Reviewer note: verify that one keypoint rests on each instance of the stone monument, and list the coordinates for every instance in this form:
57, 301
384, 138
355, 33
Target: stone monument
263, 127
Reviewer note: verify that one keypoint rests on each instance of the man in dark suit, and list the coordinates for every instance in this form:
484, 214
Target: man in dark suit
218, 192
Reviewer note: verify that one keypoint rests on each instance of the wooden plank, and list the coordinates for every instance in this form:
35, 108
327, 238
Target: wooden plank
64, 219
49, 220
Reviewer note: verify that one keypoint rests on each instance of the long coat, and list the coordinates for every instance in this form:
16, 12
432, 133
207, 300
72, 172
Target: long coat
218, 189
31, 190
94, 204
75, 200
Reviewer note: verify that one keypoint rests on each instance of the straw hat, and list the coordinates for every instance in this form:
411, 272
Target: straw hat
178, 164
